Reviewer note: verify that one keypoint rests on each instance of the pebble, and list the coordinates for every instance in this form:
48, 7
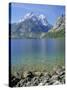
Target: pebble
39, 78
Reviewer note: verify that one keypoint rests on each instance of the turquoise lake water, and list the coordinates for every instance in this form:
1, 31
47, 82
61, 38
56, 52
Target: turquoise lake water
37, 51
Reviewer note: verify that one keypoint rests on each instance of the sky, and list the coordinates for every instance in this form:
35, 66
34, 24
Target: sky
52, 12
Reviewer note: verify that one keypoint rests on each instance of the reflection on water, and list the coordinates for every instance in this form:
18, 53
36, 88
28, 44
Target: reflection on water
37, 51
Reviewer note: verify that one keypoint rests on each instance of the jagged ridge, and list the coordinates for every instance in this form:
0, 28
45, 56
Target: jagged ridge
32, 26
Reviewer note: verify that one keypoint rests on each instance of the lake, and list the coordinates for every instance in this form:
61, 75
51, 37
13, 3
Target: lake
37, 53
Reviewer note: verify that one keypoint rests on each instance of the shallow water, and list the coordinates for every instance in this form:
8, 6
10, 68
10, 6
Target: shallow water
37, 52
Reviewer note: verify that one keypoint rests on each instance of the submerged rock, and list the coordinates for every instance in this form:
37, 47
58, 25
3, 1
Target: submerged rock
28, 74
30, 78
37, 73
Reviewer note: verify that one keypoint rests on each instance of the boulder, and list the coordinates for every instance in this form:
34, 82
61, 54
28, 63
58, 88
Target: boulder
37, 73
40, 84
56, 83
28, 74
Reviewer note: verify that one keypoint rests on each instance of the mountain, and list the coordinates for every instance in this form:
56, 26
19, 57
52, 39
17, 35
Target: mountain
30, 26
60, 23
37, 26
58, 29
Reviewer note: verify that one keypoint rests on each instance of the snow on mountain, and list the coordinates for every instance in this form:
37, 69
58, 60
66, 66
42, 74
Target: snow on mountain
37, 26
31, 24
36, 18
28, 16
43, 19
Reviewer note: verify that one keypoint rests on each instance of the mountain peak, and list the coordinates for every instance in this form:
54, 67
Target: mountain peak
35, 17
41, 16
28, 15
35, 21
43, 19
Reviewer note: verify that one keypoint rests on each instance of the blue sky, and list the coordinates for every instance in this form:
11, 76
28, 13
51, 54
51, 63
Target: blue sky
52, 12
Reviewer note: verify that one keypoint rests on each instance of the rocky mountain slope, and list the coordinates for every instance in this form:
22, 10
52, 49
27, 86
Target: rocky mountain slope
58, 29
32, 26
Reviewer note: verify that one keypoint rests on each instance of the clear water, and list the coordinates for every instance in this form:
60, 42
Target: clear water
37, 52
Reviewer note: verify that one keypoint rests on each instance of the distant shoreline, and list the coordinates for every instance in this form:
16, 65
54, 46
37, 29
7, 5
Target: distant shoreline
38, 38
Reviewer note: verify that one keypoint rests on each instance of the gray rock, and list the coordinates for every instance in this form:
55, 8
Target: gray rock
62, 73
46, 84
25, 74
63, 68
44, 81
17, 75
63, 81
54, 77
57, 83
37, 73
35, 81
58, 71
39, 78
28, 84
40, 84
28, 74
20, 83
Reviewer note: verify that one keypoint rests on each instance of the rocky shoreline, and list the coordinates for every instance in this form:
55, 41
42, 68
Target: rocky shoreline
38, 78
